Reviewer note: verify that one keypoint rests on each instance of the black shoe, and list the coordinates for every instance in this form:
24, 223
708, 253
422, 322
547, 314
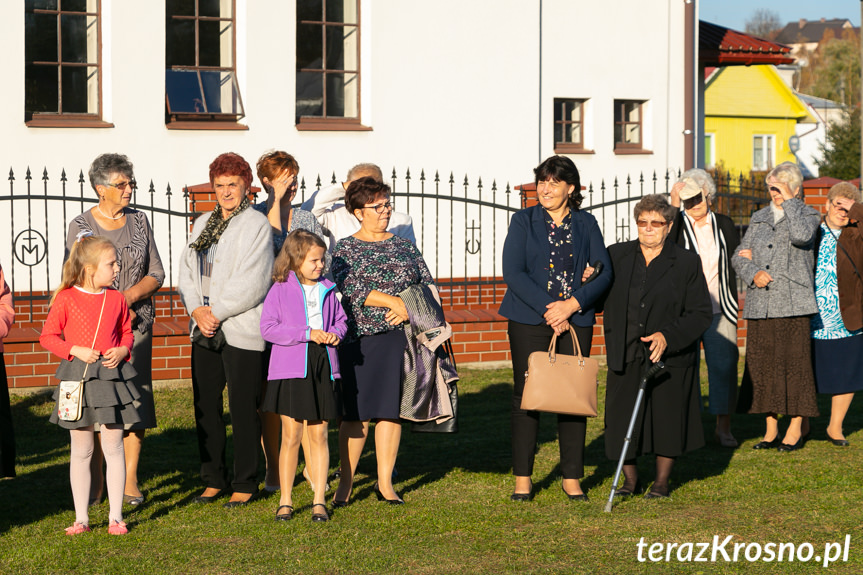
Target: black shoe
799, 445
658, 492
576, 497
319, 517
211, 498
626, 492
234, 504
838, 442
285, 516
397, 501
337, 504
767, 444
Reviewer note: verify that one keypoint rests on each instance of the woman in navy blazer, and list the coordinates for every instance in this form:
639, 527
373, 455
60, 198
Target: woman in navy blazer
546, 251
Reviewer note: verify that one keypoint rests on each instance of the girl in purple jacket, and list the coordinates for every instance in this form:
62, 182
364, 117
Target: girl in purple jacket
304, 320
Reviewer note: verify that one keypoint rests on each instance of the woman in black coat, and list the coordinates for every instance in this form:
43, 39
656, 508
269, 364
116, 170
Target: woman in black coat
657, 308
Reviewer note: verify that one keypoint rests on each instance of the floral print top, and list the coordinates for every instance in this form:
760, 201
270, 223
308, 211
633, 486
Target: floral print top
389, 266
827, 323
560, 265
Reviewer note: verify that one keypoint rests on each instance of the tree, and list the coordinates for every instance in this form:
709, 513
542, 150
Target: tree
841, 151
763, 23
833, 70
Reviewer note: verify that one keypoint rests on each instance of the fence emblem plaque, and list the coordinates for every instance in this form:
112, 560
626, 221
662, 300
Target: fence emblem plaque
30, 247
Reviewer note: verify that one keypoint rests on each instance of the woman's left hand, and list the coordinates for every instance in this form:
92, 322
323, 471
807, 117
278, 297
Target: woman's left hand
560, 311
114, 356
282, 184
657, 345
561, 328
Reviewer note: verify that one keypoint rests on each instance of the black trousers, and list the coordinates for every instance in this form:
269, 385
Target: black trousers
243, 372
7, 434
523, 340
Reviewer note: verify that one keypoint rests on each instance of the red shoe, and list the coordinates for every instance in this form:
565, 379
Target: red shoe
117, 528
77, 529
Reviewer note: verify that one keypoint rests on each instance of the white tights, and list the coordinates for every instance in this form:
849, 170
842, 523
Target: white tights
79, 470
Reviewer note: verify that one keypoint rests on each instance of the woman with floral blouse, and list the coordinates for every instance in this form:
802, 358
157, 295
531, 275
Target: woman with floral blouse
547, 249
371, 268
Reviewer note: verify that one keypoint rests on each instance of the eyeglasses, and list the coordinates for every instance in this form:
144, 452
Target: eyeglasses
653, 223
380, 208
122, 185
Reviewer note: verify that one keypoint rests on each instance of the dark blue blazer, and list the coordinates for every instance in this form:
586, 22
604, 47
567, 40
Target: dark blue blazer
526, 255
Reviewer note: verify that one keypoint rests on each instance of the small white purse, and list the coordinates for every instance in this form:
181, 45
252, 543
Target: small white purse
70, 400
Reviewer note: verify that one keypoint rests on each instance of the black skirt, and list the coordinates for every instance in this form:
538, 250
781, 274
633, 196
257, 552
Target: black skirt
371, 369
838, 364
312, 398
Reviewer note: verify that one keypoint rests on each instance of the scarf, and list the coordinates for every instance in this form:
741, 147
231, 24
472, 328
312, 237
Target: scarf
727, 300
216, 226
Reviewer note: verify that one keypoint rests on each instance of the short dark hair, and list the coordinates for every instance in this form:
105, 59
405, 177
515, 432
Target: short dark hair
363, 190
107, 165
655, 203
561, 169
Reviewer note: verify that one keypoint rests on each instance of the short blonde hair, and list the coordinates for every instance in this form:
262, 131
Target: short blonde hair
788, 173
845, 190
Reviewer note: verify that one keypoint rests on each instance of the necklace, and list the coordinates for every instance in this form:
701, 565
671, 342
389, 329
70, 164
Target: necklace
104, 215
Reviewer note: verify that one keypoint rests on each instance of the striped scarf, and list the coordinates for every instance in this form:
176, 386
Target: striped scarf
727, 300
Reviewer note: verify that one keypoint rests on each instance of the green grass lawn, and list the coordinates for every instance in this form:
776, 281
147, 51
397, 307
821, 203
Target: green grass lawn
458, 517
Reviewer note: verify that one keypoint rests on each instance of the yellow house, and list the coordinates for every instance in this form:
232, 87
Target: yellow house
750, 115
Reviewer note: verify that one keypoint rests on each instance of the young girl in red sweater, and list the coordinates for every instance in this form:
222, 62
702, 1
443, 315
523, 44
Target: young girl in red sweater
90, 329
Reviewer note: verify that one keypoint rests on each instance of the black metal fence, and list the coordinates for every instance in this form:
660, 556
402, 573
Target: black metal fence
460, 223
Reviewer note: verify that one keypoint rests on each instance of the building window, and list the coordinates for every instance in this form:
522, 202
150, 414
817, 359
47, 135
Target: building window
62, 62
328, 64
762, 153
628, 125
569, 133
200, 58
709, 150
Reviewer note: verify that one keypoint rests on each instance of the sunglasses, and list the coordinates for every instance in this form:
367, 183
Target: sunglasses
693, 201
652, 223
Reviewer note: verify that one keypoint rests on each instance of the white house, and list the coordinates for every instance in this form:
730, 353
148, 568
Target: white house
474, 88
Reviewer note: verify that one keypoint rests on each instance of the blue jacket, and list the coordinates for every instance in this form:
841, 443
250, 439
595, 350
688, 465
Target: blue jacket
526, 255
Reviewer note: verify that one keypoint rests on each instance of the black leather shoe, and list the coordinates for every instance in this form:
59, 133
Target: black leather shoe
337, 504
285, 516
795, 447
658, 492
624, 492
397, 501
576, 497
838, 442
211, 498
320, 516
767, 444
521, 496
234, 504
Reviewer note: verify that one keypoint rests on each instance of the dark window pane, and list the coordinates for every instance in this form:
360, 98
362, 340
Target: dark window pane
310, 94
559, 106
558, 133
184, 91
78, 97
335, 48
216, 44
41, 89
310, 47
180, 43
212, 8
40, 5
618, 133
76, 5
41, 38
180, 7
342, 11
220, 92
342, 95
310, 10
74, 48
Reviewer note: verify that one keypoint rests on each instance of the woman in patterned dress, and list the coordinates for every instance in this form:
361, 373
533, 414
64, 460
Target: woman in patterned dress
371, 268
546, 251
141, 275
836, 328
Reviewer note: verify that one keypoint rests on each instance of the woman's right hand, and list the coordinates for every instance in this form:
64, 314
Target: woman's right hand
207, 322
85, 354
398, 312
761, 279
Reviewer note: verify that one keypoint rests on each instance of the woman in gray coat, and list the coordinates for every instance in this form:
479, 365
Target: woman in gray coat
775, 260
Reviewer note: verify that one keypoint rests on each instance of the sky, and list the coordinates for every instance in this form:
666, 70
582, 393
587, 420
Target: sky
734, 13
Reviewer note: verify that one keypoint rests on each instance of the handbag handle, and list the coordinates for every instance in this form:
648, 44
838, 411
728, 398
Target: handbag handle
552, 353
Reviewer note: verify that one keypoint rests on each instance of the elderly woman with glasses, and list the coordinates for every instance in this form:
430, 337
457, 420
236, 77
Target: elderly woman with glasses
776, 260
714, 238
141, 275
837, 328
657, 309
371, 268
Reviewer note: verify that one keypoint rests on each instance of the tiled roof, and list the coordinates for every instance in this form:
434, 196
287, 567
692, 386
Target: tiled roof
811, 31
720, 46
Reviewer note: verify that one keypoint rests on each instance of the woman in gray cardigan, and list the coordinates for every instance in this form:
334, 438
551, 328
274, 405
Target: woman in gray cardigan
775, 260
224, 277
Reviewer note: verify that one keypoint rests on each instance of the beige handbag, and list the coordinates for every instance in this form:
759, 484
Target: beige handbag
70, 398
559, 383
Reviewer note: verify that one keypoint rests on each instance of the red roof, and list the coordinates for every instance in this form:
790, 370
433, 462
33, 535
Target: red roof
720, 46
827, 182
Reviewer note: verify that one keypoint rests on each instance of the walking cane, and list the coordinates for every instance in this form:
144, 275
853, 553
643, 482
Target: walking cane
648, 375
